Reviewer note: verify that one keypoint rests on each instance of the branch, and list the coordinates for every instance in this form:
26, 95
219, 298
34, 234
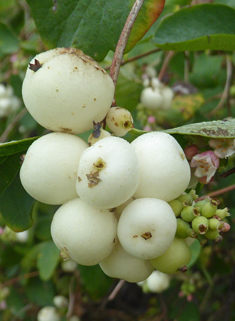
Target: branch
225, 93
12, 125
145, 54
167, 59
219, 192
121, 45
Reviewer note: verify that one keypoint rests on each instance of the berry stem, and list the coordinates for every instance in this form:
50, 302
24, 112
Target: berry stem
121, 45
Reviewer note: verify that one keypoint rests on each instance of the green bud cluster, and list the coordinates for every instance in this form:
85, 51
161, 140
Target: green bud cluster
202, 219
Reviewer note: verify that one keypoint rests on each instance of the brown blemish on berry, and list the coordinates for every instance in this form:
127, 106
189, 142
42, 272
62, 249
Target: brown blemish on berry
116, 124
57, 90
146, 235
93, 179
83, 106
135, 236
79, 179
35, 66
66, 130
99, 164
94, 99
182, 156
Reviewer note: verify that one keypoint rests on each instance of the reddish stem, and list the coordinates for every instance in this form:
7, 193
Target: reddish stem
121, 45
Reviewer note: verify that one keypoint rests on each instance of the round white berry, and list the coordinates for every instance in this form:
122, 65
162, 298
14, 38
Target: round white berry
65, 90
168, 95
108, 173
120, 264
119, 120
157, 282
164, 169
147, 227
83, 233
48, 313
49, 170
151, 98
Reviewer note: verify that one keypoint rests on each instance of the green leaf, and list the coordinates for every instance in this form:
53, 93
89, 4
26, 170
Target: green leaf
16, 206
127, 91
95, 281
200, 27
149, 13
48, 259
15, 147
94, 26
195, 250
210, 129
39, 292
190, 313
8, 41
8, 170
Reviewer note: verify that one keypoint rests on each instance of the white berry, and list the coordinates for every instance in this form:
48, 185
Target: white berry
119, 120
49, 170
48, 313
108, 173
147, 227
85, 234
120, 264
151, 98
164, 169
65, 90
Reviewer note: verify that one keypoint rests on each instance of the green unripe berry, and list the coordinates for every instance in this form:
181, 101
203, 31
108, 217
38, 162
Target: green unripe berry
200, 224
184, 229
201, 203
188, 213
176, 206
214, 224
213, 235
222, 213
209, 209
186, 199
175, 259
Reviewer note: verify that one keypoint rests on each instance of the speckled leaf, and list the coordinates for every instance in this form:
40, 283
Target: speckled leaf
215, 129
93, 26
199, 27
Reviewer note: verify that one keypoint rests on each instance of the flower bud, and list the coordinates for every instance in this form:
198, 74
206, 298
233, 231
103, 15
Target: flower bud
200, 224
225, 227
191, 151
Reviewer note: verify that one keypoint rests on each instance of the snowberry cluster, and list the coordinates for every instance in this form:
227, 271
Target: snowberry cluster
8, 101
113, 194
